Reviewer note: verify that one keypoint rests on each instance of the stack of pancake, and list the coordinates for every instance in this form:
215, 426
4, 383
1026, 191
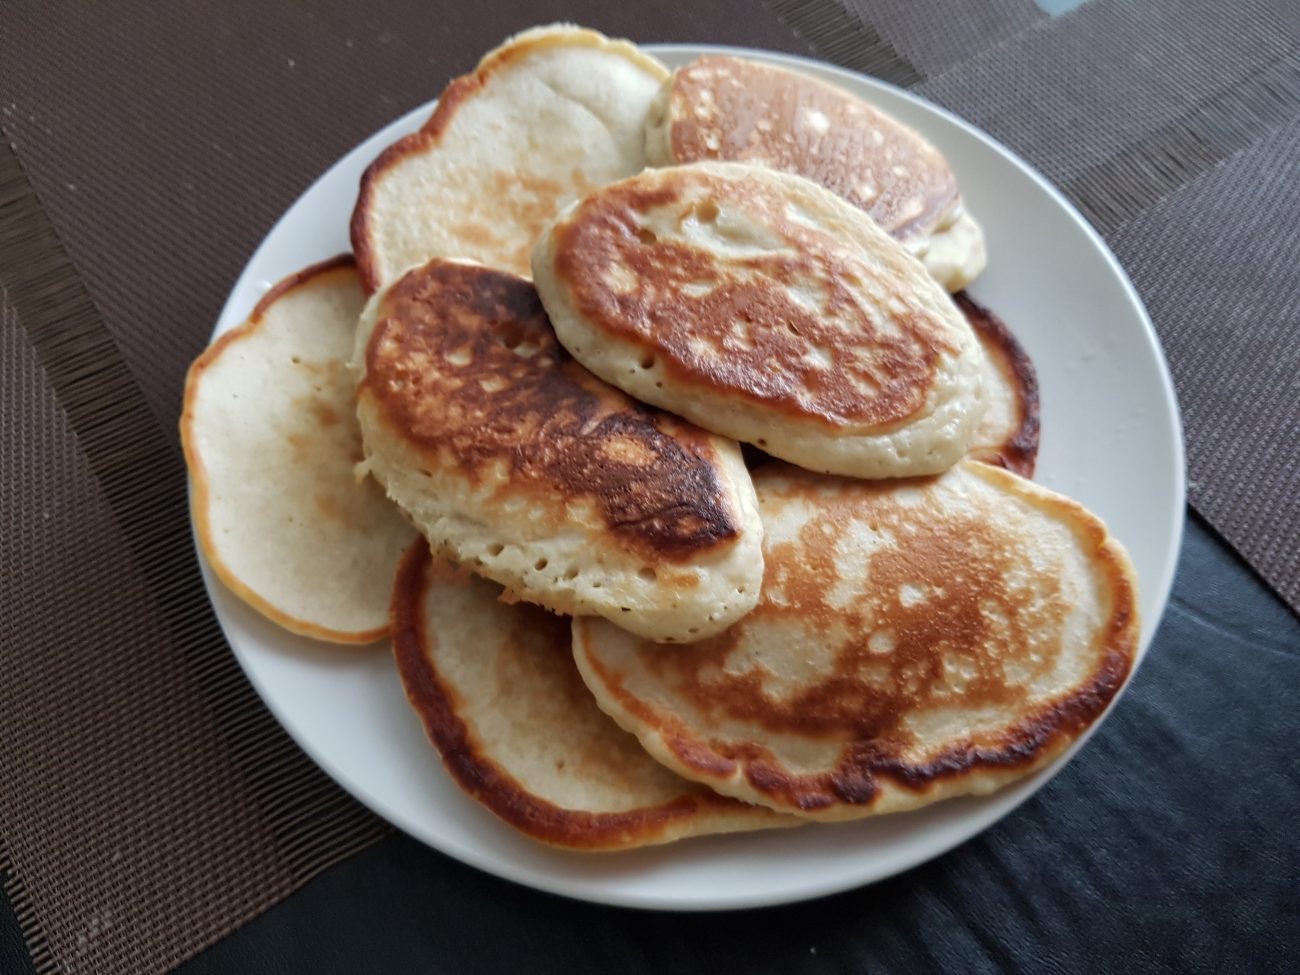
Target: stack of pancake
577, 291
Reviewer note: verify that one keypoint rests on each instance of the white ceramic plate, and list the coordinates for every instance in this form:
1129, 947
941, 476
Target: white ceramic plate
1110, 438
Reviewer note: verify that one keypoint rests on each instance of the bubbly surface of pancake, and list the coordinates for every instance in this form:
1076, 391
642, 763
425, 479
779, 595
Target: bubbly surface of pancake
728, 108
550, 114
501, 700
915, 640
1008, 433
515, 461
765, 308
271, 441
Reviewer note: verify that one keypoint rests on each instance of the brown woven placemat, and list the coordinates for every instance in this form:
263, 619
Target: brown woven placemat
1171, 126
148, 803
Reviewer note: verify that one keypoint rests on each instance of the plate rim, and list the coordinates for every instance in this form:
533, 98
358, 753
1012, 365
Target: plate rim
237, 306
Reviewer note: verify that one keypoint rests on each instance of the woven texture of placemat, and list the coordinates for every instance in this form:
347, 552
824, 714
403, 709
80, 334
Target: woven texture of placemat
148, 803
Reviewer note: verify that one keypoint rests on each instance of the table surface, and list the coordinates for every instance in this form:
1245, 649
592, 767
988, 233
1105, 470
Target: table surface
1167, 844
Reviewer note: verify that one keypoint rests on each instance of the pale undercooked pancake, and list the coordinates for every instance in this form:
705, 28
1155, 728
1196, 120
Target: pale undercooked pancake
518, 463
727, 108
1008, 433
501, 700
271, 440
914, 641
552, 113
765, 308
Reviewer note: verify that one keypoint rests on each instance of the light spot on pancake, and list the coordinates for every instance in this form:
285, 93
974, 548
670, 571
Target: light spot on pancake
882, 641
620, 280
738, 337
626, 450
958, 671
702, 347
910, 595
817, 121
462, 356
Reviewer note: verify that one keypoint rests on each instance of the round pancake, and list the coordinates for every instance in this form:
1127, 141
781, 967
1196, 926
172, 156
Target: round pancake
500, 698
766, 309
515, 461
545, 117
1008, 433
271, 441
914, 641
727, 108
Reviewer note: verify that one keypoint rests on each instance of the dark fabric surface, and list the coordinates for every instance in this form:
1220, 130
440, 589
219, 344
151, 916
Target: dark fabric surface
1169, 844
152, 148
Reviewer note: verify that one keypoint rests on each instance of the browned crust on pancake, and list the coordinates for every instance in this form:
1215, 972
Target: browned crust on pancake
855, 781
458, 91
200, 489
559, 430
486, 781
294, 281
602, 236
1019, 452
762, 119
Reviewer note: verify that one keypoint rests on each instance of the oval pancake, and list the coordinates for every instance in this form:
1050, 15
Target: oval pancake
271, 441
500, 698
727, 108
765, 308
550, 114
518, 463
915, 640
1008, 433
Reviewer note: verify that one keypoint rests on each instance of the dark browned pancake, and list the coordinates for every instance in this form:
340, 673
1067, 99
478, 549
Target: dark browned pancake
761, 306
500, 698
915, 640
513, 459
1008, 433
732, 109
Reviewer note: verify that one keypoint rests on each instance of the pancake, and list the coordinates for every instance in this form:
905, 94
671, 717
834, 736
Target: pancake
547, 116
271, 441
500, 698
1008, 433
914, 641
766, 309
727, 108
515, 461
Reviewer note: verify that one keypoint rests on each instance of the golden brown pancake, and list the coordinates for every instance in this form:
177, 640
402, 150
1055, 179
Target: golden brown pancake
514, 460
1008, 433
501, 700
553, 112
271, 442
764, 308
727, 108
915, 640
